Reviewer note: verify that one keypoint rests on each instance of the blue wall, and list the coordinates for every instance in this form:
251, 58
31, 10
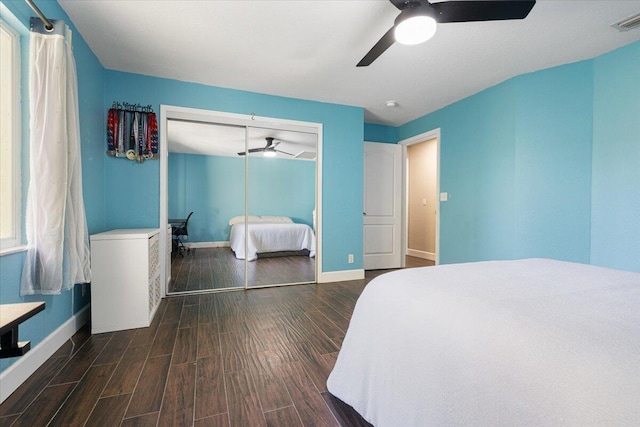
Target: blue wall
282, 187
553, 163
213, 188
132, 193
477, 155
210, 186
59, 308
615, 209
517, 162
380, 133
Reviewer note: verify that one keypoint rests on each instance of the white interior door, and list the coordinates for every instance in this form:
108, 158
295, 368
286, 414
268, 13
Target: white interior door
382, 206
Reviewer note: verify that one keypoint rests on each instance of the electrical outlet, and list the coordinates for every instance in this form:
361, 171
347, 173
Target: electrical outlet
350, 258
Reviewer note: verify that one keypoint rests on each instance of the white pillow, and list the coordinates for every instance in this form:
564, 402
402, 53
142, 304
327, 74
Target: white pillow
278, 219
240, 219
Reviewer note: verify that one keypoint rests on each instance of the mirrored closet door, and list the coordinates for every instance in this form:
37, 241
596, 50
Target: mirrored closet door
246, 198
281, 200
204, 177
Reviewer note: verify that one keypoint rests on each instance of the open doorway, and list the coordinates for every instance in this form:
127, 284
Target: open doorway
421, 198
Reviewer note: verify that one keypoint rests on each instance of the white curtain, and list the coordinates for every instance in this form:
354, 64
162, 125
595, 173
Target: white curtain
56, 226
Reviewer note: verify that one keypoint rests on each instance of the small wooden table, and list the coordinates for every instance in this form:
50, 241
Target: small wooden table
11, 315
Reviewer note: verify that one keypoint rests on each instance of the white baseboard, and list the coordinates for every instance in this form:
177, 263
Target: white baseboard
207, 244
12, 377
340, 276
421, 254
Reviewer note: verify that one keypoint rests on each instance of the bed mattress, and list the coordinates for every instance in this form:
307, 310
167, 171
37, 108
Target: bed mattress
504, 343
271, 237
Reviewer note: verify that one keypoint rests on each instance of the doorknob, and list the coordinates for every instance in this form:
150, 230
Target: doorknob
364, 213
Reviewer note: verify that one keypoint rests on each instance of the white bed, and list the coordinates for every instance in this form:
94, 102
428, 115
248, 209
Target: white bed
503, 343
270, 234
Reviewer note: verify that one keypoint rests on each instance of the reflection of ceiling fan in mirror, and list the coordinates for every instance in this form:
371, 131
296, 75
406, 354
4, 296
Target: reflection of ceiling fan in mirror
268, 150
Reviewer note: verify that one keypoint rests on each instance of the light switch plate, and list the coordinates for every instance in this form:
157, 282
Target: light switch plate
444, 197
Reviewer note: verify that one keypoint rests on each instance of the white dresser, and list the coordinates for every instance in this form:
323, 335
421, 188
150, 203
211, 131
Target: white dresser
125, 286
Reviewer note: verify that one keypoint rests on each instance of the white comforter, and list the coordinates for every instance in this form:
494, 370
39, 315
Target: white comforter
504, 343
272, 237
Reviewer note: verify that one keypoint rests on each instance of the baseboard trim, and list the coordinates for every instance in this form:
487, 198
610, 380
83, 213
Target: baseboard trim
340, 276
207, 244
421, 254
12, 377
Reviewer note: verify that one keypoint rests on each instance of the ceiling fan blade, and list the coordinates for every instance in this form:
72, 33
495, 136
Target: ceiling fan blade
252, 150
284, 152
468, 11
383, 44
450, 11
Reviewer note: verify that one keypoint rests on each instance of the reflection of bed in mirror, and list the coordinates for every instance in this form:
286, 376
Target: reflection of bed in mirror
269, 235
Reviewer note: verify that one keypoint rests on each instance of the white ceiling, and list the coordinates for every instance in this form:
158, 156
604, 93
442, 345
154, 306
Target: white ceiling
309, 49
222, 140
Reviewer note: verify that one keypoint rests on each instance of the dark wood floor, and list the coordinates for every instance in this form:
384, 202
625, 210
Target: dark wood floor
218, 268
248, 358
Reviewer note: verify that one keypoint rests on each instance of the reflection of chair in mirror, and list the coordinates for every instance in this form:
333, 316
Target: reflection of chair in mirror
179, 229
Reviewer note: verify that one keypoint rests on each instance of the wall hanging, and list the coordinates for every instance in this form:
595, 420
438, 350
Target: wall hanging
132, 132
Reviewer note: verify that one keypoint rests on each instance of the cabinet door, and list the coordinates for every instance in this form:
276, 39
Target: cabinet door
154, 274
120, 284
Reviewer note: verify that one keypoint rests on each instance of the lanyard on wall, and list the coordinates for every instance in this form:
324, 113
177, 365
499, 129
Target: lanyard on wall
132, 132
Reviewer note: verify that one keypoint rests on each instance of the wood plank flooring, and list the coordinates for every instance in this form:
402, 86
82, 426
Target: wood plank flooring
218, 268
411, 261
247, 358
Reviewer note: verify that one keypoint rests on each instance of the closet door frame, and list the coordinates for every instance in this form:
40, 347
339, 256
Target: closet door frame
169, 112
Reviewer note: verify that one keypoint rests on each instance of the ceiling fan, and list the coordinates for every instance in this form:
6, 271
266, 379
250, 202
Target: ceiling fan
418, 19
268, 150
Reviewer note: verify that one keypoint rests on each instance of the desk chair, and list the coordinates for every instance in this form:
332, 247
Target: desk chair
181, 230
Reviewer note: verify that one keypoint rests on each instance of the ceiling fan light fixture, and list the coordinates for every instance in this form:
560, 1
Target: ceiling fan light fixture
269, 153
415, 29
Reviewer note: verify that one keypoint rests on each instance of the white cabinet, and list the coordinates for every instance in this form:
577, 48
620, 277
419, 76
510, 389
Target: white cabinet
125, 286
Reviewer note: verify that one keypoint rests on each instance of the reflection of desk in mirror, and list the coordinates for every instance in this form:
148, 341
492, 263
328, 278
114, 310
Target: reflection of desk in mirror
175, 223
179, 230
11, 315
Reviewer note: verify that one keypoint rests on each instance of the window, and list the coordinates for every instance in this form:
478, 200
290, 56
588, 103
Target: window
10, 180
